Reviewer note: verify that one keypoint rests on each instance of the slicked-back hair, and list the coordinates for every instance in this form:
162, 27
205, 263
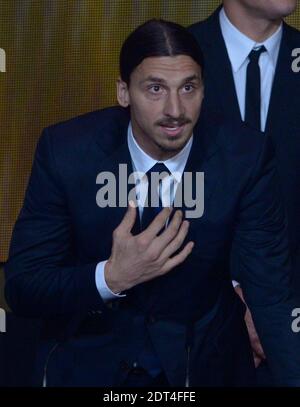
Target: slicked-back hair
157, 38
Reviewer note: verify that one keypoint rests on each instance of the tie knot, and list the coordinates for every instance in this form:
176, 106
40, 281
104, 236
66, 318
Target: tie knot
158, 168
256, 53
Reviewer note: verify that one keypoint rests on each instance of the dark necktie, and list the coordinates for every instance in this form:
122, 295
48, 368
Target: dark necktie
155, 204
253, 92
147, 357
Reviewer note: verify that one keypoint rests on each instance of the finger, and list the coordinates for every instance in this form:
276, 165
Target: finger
157, 224
171, 231
257, 360
179, 258
129, 218
177, 241
259, 350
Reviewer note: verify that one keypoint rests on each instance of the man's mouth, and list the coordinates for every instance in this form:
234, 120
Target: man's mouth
173, 130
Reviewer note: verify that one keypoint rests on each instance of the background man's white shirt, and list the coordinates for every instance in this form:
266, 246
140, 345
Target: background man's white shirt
238, 47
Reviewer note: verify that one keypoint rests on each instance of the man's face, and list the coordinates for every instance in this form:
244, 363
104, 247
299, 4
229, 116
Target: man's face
165, 96
267, 9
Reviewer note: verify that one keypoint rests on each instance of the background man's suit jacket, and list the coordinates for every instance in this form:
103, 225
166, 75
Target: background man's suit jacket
61, 234
283, 124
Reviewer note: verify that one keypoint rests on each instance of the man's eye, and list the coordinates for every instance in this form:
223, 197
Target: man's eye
188, 88
155, 88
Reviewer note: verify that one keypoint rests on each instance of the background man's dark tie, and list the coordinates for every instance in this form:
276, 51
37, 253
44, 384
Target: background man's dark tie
150, 211
253, 91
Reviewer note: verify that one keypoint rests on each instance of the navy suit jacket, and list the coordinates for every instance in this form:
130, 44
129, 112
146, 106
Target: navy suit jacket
61, 234
283, 125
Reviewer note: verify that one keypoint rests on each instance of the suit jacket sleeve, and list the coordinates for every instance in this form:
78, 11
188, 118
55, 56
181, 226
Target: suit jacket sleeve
262, 249
43, 277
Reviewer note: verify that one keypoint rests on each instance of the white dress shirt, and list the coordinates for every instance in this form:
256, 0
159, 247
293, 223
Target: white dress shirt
238, 47
142, 163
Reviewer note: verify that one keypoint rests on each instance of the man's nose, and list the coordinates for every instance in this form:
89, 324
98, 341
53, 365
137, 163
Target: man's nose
173, 105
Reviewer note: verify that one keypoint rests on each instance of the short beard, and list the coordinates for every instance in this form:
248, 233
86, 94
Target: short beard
171, 148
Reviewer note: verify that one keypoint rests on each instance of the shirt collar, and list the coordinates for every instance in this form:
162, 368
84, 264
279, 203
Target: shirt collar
239, 45
143, 162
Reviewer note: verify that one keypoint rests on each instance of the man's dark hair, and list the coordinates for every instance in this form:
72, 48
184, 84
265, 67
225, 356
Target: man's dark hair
157, 38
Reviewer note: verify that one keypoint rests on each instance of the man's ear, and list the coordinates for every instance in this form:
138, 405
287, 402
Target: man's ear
122, 93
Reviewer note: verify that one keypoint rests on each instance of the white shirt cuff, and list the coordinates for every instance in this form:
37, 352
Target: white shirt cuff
235, 283
103, 289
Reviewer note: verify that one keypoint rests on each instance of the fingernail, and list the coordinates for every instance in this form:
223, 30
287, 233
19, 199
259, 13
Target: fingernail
132, 204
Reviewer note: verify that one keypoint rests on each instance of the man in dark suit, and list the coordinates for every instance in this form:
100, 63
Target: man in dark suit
142, 296
248, 48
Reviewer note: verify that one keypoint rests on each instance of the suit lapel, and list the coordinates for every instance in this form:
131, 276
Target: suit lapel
117, 162
281, 84
206, 143
219, 68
